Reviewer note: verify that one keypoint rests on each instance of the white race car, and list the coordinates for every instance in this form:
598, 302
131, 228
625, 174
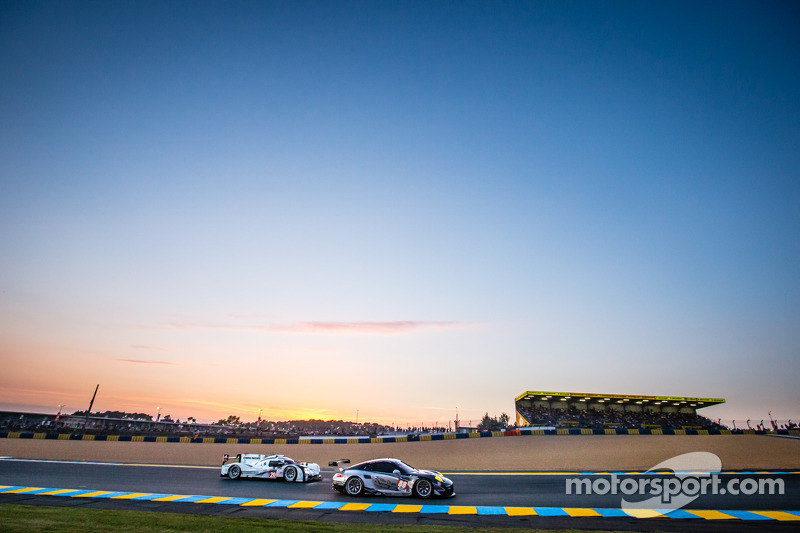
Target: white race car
269, 467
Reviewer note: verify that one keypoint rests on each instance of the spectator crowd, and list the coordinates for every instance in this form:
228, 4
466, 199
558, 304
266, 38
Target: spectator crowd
593, 419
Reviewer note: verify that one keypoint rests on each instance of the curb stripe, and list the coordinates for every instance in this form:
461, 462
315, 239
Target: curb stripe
380, 508
330, 505
680, 514
550, 511
645, 513
111, 495
22, 490
612, 513
407, 508
711, 515
434, 509
129, 495
174, 497
282, 503
354, 507
257, 503
235, 501
581, 512
779, 515
485, 510
39, 491
747, 515
150, 497
304, 505
520, 511
216, 499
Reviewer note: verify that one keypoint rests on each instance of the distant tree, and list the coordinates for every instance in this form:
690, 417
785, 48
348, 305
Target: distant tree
503, 421
116, 414
486, 423
489, 423
167, 418
230, 421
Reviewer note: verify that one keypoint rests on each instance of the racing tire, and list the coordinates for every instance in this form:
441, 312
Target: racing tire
235, 472
354, 486
423, 488
290, 474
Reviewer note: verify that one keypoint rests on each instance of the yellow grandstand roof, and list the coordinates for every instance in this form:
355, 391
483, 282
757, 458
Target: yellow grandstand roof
592, 397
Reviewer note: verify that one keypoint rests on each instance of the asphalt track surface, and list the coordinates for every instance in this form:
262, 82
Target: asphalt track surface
541, 490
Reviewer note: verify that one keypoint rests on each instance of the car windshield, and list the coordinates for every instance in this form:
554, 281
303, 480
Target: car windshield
359, 466
404, 468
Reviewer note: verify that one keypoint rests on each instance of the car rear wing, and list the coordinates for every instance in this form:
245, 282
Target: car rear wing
338, 463
226, 458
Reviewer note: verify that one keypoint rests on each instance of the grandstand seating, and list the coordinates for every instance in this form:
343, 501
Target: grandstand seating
591, 419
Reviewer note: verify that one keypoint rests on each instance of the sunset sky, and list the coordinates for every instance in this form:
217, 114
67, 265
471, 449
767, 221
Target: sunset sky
393, 210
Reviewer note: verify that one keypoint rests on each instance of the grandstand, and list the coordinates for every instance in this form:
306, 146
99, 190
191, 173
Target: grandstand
612, 411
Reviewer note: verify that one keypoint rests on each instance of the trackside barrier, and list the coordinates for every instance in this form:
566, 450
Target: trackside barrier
383, 440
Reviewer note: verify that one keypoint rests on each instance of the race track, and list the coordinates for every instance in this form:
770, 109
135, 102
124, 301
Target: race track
481, 492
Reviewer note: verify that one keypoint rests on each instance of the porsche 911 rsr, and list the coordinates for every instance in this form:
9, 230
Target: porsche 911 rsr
269, 467
391, 477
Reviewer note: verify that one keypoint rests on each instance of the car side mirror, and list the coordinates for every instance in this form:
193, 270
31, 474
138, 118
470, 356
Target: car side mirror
396, 472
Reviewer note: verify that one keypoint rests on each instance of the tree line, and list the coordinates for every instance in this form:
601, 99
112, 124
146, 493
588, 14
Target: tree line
487, 423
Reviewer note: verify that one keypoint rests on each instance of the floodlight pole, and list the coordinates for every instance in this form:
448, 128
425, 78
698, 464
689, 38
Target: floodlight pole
88, 411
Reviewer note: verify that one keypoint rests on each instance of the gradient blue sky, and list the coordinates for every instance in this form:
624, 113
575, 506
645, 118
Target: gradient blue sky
397, 208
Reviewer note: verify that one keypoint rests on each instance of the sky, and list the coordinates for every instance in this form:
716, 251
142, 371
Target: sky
398, 211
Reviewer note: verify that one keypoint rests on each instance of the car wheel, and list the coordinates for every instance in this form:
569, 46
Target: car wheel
423, 488
290, 474
354, 486
234, 472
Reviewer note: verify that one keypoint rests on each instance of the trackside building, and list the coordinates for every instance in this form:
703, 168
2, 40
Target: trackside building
573, 402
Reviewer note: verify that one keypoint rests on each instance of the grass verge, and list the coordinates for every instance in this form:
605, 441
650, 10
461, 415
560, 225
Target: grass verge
27, 518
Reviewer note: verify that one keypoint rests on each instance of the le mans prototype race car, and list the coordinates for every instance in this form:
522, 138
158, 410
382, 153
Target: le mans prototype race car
391, 477
269, 467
